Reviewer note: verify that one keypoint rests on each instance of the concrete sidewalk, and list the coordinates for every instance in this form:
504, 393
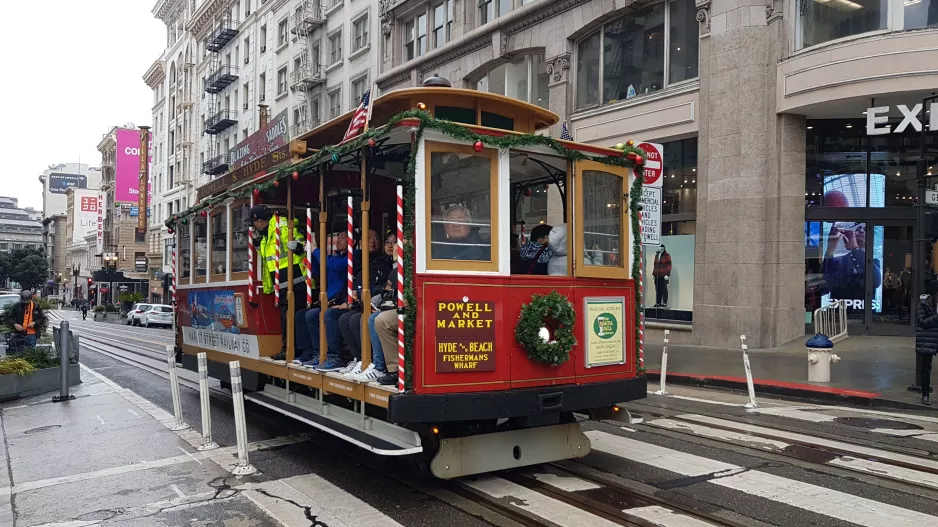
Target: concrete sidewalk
107, 457
872, 370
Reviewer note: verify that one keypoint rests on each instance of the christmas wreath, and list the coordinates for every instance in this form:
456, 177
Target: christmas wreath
545, 328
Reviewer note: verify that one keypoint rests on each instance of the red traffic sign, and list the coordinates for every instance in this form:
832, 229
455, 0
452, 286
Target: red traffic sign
654, 163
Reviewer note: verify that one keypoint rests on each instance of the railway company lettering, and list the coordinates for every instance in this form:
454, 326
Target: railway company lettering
465, 336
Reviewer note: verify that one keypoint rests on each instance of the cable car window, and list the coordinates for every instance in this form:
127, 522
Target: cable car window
220, 241
539, 237
456, 115
461, 196
493, 120
200, 232
185, 256
240, 221
602, 218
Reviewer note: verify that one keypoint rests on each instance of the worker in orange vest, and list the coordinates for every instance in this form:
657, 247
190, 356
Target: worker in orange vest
25, 317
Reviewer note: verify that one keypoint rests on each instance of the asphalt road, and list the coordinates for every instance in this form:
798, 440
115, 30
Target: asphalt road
701, 457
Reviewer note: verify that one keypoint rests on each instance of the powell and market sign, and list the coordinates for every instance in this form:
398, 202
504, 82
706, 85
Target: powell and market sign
877, 119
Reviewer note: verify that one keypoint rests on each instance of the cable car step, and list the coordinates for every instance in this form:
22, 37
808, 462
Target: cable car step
372, 434
464, 456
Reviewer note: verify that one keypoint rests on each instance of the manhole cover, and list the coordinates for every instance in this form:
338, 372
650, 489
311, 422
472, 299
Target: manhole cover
863, 422
42, 429
102, 515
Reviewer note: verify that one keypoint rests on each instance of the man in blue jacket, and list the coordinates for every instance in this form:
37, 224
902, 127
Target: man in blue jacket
308, 323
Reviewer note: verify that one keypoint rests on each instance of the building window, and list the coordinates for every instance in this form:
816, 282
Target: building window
524, 78
491, 9
283, 32
819, 22
262, 87
335, 103
263, 39
443, 23
335, 48
282, 81
359, 86
360, 33
627, 57
415, 37
247, 50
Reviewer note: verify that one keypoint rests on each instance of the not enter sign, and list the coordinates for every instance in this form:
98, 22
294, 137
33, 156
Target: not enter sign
654, 164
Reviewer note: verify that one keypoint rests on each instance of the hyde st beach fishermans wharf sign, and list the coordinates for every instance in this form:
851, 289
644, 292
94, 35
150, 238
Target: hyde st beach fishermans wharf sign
465, 336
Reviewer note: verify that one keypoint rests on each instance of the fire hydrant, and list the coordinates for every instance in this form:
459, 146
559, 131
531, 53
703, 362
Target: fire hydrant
820, 357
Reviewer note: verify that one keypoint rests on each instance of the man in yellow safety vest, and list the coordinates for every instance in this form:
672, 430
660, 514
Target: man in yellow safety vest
265, 239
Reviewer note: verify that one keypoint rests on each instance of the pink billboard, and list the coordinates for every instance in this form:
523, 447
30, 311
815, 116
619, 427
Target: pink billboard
127, 166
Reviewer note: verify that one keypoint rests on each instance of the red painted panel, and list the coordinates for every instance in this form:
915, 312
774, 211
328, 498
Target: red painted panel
513, 367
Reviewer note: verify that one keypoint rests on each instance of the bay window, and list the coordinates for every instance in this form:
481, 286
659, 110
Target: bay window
415, 37
638, 54
821, 21
524, 78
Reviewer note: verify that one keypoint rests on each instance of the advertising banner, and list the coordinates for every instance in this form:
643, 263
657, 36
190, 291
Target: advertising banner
59, 183
260, 143
143, 181
127, 166
86, 214
101, 209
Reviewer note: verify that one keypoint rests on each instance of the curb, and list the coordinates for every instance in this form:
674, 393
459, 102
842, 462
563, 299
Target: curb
790, 390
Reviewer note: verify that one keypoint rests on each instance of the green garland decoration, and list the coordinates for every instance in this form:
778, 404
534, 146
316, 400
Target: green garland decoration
552, 307
307, 167
635, 197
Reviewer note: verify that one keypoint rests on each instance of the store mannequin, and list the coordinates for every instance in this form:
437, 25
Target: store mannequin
662, 275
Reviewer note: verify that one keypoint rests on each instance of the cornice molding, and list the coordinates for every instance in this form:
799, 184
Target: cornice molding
202, 19
155, 75
452, 55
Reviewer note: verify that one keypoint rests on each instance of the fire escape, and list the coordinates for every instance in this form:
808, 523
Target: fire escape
221, 75
306, 19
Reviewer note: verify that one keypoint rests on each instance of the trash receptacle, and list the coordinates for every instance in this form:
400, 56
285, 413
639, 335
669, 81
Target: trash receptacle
820, 357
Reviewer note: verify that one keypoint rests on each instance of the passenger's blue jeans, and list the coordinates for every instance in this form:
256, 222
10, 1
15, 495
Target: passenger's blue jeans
377, 354
333, 335
31, 340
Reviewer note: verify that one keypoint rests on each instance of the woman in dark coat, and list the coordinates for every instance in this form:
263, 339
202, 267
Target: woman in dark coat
926, 337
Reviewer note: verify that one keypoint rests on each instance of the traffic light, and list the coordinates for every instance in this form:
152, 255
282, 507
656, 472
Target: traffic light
930, 229
89, 282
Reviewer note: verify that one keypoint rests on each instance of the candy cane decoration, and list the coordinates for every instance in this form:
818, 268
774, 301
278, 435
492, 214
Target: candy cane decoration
309, 258
251, 265
641, 297
172, 285
351, 262
400, 287
277, 260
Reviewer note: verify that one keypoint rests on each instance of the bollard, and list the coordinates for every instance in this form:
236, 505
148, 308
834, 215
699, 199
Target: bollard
174, 388
664, 366
752, 390
207, 443
63, 342
244, 467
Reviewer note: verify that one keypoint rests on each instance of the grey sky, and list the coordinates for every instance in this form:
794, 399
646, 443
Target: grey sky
71, 70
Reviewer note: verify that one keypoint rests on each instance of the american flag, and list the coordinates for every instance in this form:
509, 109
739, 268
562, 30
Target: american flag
359, 119
565, 133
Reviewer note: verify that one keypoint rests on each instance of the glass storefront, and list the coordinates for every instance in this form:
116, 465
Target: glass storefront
860, 193
669, 267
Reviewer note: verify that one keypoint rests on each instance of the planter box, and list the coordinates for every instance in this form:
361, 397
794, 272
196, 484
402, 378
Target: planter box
112, 318
13, 386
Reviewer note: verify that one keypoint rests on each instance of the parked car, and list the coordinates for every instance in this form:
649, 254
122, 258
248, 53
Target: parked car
133, 316
157, 315
7, 299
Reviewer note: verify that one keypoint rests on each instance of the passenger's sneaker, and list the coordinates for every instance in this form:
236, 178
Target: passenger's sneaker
330, 365
356, 370
312, 363
279, 356
305, 357
351, 367
388, 379
370, 374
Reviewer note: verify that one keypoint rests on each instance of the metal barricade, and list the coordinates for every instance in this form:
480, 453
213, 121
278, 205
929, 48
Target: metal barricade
831, 320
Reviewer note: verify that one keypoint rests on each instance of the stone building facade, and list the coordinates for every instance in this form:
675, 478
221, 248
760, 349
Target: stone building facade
737, 92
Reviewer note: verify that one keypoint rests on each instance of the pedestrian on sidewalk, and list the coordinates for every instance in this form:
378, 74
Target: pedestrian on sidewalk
926, 336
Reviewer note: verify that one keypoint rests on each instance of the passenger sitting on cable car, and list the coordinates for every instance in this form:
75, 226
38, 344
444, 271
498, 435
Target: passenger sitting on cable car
537, 252
307, 321
461, 241
383, 327
383, 268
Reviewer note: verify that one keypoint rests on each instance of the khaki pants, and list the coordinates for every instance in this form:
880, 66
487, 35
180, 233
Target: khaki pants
386, 326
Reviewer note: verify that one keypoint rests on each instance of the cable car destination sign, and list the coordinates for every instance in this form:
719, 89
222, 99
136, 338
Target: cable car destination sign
465, 336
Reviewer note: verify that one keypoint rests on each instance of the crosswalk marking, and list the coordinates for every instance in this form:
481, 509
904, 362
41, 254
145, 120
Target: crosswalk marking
566, 483
540, 505
721, 435
812, 498
663, 517
812, 440
889, 471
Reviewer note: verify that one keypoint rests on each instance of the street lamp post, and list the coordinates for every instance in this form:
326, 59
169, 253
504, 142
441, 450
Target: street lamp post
75, 272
